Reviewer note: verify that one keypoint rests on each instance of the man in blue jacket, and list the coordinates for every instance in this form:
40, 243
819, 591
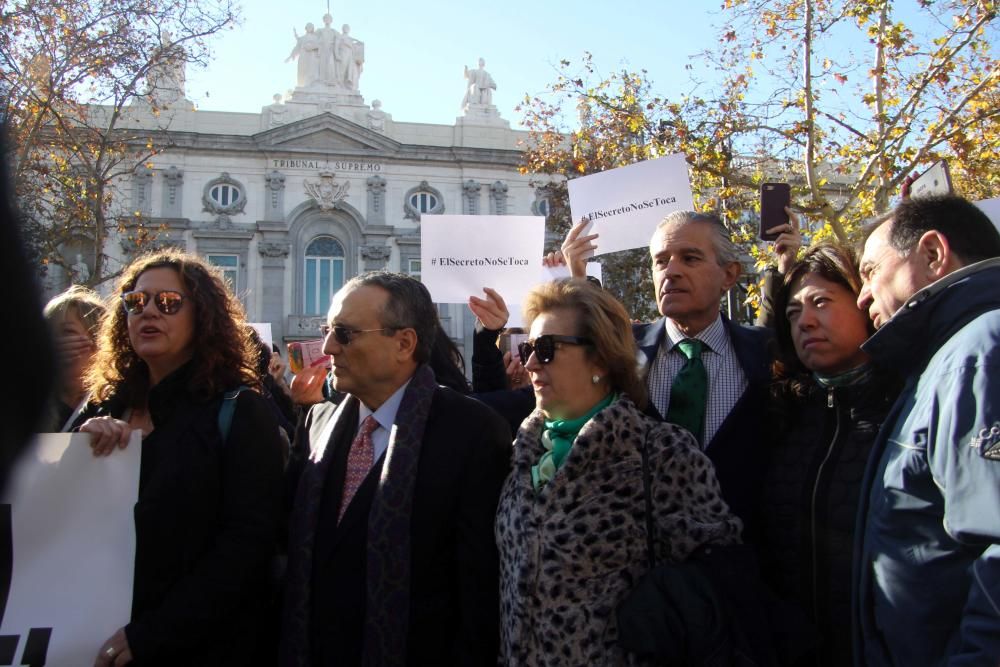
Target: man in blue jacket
927, 565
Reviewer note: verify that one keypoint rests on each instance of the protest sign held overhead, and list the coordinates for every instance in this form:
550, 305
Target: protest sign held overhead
991, 207
461, 254
68, 546
625, 205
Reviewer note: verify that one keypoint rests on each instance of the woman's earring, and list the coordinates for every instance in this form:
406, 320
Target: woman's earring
595, 379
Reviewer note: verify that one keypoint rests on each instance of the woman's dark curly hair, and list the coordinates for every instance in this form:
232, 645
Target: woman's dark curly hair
224, 354
830, 261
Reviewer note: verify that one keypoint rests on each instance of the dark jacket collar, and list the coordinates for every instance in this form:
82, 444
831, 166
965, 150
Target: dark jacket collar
932, 315
171, 393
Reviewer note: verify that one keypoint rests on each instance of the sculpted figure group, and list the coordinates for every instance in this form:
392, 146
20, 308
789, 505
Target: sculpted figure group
327, 56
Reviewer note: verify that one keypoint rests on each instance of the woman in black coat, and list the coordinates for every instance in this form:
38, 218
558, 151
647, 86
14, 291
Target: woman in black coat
827, 402
176, 362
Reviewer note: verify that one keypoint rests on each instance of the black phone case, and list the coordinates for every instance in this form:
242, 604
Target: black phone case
774, 197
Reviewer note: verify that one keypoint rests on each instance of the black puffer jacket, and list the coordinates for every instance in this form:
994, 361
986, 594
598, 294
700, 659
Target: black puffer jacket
820, 448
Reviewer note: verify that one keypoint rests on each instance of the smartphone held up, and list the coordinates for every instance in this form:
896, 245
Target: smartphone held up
774, 199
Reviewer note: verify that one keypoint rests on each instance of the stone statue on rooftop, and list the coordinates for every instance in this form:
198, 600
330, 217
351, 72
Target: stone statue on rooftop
480, 86
309, 53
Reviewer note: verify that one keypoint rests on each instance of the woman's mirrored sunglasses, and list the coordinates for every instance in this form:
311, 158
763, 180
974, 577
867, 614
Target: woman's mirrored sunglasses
167, 302
544, 347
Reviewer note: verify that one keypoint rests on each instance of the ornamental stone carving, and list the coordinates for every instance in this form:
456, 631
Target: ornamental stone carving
470, 197
272, 249
142, 190
275, 195
376, 252
172, 190
224, 196
376, 199
498, 198
327, 192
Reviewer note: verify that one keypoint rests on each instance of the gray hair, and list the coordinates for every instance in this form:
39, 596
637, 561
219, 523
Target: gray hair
726, 251
409, 306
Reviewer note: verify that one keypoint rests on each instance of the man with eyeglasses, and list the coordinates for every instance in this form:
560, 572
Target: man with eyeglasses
392, 558
703, 371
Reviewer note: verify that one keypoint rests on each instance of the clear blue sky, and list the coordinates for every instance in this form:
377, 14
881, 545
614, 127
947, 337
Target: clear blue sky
415, 50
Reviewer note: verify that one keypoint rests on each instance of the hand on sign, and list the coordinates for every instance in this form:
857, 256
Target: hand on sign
553, 259
516, 374
491, 311
115, 652
576, 248
106, 434
307, 385
787, 245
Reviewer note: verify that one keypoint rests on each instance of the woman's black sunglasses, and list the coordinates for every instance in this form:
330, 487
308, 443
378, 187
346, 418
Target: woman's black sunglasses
544, 347
168, 301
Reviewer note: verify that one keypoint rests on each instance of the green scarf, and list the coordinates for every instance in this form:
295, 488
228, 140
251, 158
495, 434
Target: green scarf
557, 438
847, 378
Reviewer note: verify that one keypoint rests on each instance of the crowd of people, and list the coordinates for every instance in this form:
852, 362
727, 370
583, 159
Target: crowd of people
819, 489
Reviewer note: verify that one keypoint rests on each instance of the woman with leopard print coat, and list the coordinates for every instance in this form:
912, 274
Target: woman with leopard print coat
571, 520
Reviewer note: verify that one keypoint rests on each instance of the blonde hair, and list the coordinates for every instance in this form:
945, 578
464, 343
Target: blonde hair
87, 303
602, 319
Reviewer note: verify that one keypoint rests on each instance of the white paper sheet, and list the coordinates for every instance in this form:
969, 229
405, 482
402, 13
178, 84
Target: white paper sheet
626, 204
991, 207
462, 254
72, 535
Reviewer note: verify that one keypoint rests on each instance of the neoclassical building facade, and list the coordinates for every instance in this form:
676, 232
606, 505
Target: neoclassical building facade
318, 187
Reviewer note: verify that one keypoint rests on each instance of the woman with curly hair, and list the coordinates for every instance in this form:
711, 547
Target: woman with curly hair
171, 354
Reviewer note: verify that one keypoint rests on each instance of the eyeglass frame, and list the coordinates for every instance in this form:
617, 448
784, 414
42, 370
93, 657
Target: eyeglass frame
154, 299
531, 345
348, 334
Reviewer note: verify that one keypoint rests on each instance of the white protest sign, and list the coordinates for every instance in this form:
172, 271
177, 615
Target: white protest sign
991, 207
263, 330
626, 204
549, 274
462, 254
67, 521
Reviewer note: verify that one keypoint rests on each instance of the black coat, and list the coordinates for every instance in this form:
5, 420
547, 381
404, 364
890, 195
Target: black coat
206, 527
454, 580
820, 447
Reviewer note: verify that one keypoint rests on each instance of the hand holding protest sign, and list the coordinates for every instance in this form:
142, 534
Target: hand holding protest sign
626, 204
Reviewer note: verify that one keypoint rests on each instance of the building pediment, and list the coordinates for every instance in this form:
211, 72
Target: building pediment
324, 133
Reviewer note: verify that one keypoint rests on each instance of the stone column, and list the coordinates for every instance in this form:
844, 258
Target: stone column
274, 207
470, 197
376, 200
498, 198
173, 182
142, 191
272, 303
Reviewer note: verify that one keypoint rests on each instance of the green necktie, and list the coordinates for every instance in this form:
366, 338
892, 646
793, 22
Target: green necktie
689, 390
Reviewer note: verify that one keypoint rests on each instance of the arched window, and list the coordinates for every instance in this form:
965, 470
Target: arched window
422, 199
224, 194
324, 273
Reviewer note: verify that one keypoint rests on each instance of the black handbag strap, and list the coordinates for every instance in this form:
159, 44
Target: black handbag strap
647, 493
